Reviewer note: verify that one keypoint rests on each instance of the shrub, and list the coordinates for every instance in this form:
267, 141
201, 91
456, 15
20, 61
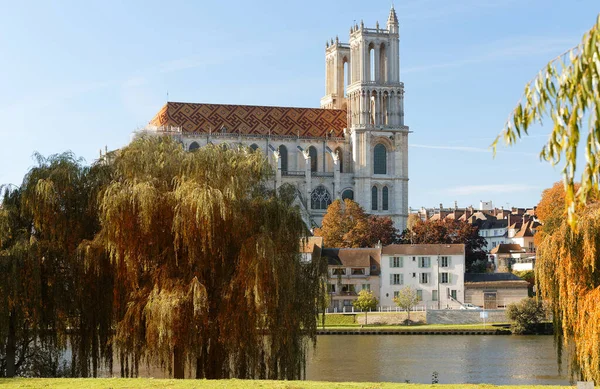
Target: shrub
526, 315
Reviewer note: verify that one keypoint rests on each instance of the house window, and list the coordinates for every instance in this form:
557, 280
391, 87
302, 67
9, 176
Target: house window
453, 294
331, 288
339, 271
445, 261
414, 275
445, 278
358, 271
379, 159
320, 198
366, 286
419, 295
434, 295
396, 262
396, 293
396, 279
348, 288
424, 262
424, 278
347, 303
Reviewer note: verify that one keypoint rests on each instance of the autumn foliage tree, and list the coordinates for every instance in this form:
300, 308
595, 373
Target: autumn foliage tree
206, 263
159, 256
346, 224
450, 232
566, 90
567, 272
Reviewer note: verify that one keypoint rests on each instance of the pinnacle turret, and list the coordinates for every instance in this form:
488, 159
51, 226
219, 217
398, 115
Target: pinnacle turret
392, 19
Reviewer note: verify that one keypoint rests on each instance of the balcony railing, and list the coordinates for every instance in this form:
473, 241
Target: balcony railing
322, 174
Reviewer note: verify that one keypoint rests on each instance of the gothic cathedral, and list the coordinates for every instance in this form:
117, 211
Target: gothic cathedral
355, 146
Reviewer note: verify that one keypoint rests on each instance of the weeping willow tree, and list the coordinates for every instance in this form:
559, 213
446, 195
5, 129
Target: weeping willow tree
59, 195
567, 90
207, 267
19, 286
568, 274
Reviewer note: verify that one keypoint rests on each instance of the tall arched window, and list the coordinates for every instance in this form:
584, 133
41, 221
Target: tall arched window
374, 198
313, 158
320, 198
380, 159
385, 198
340, 154
194, 146
283, 154
254, 146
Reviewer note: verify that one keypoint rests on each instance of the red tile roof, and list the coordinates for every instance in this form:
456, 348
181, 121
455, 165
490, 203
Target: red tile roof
250, 119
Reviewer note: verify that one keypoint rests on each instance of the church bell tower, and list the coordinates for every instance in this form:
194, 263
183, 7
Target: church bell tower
363, 78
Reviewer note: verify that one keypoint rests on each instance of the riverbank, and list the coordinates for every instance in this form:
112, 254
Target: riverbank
143, 383
424, 329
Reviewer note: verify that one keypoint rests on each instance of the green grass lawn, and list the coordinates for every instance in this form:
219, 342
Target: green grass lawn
143, 383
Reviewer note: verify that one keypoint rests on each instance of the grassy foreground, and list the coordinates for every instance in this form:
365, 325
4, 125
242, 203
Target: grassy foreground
143, 383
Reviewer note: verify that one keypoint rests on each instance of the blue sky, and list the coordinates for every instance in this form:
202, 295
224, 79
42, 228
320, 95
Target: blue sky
83, 75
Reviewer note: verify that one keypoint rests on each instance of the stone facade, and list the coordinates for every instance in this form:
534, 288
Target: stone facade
355, 146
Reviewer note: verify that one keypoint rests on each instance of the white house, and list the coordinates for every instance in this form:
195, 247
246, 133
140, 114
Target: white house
435, 271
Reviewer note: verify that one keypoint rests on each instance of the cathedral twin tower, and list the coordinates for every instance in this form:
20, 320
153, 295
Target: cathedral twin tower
355, 146
363, 78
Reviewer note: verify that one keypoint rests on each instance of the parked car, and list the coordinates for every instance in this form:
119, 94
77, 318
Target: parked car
469, 306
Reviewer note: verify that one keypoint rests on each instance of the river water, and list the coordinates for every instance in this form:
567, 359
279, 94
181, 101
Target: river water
492, 359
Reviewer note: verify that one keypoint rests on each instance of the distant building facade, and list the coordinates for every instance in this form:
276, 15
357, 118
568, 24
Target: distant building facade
494, 290
434, 271
496, 225
355, 146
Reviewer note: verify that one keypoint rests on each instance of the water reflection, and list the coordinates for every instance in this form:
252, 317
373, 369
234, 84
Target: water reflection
501, 360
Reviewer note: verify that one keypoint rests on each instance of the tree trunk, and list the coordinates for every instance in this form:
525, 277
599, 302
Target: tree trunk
178, 363
11, 346
408, 314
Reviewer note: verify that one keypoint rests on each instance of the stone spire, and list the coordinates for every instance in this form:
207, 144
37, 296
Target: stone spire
392, 22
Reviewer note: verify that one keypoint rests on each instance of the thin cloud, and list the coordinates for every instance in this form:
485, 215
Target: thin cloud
491, 188
469, 149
